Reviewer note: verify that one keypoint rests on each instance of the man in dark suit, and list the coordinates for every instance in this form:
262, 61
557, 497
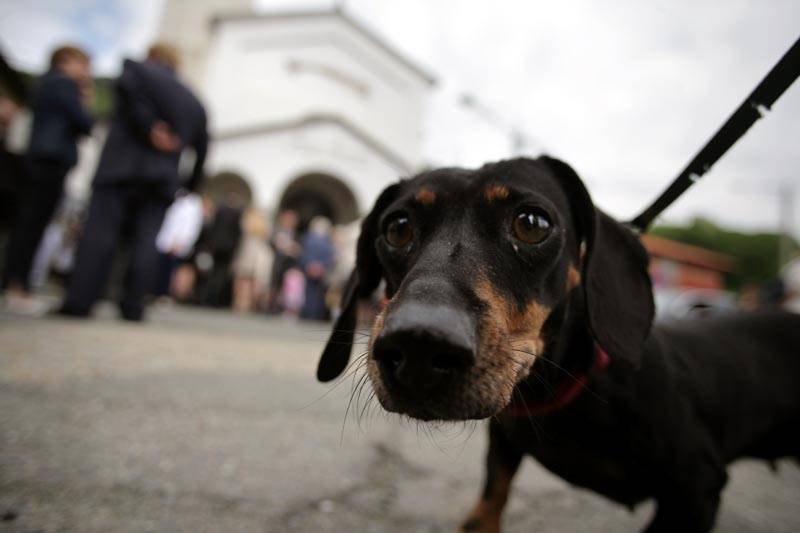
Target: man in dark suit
13, 94
156, 117
60, 117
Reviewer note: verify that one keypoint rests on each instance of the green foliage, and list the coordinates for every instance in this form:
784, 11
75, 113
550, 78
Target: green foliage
756, 254
103, 103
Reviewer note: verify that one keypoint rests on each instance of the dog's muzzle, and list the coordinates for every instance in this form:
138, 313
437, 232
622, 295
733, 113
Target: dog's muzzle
423, 347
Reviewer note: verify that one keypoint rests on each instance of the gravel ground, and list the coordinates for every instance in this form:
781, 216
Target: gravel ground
206, 421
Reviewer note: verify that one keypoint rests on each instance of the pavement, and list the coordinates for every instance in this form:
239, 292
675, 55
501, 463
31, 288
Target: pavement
204, 421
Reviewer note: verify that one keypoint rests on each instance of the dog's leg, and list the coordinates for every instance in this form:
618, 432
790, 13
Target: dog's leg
676, 513
502, 462
690, 504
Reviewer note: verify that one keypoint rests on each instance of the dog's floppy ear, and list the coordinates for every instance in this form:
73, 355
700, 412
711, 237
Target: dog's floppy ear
616, 284
363, 280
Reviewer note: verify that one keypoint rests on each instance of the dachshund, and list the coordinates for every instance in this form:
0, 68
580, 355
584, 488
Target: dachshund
512, 298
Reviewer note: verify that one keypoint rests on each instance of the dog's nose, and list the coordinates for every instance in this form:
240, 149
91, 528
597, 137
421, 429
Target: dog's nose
422, 346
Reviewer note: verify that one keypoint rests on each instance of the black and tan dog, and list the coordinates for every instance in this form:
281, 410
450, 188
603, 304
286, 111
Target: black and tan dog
513, 298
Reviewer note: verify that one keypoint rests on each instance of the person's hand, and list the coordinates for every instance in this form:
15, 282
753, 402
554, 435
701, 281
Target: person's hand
8, 109
163, 139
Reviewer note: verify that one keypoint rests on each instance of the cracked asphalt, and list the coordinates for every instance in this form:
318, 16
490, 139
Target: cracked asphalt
205, 421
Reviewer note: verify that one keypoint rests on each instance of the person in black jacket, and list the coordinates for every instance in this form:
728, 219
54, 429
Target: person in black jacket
60, 117
137, 178
221, 242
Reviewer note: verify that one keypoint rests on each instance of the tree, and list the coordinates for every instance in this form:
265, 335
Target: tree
756, 254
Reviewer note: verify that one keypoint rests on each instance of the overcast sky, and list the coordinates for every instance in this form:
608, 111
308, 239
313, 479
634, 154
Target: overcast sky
625, 91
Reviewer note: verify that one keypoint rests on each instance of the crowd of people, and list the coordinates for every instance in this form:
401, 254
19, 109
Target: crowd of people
179, 244
235, 261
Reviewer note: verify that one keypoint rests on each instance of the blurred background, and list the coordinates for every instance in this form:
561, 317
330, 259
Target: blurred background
313, 108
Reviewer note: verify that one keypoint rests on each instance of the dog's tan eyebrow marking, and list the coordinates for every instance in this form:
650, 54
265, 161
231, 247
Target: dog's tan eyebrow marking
425, 196
496, 192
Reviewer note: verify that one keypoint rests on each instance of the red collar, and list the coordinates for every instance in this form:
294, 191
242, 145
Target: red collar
566, 392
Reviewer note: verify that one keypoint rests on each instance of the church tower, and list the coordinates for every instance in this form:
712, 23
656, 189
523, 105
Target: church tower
308, 110
187, 24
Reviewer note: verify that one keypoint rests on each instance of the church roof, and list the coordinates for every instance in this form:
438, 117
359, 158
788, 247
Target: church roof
687, 253
389, 155
335, 13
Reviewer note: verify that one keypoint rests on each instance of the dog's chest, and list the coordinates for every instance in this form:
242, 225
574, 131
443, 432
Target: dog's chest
596, 458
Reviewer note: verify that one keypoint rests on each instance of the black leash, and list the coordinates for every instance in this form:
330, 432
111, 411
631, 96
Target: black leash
753, 108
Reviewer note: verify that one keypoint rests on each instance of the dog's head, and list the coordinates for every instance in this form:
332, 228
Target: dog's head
475, 265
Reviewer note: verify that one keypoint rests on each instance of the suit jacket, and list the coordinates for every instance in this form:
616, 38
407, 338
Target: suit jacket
59, 118
148, 92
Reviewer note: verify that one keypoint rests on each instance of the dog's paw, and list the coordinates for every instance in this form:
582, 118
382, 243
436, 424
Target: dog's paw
477, 524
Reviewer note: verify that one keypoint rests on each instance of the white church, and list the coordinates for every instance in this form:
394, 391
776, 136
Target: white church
308, 110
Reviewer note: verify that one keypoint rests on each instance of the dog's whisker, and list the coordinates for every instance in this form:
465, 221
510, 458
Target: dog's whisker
343, 330
358, 363
364, 383
580, 382
354, 332
547, 386
432, 439
368, 406
345, 343
535, 425
518, 394
469, 437
350, 402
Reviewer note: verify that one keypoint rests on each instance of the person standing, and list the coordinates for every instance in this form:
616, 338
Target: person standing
252, 263
285, 250
60, 117
221, 242
156, 117
13, 94
176, 239
317, 260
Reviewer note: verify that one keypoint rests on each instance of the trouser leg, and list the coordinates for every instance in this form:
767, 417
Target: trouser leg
166, 266
37, 206
142, 272
216, 290
98, 244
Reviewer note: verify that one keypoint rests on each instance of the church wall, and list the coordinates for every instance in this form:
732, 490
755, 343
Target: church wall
263, 71
271, 161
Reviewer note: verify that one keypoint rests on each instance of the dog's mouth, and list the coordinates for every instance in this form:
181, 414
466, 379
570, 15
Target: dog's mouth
454, 399
480, 391
435, 361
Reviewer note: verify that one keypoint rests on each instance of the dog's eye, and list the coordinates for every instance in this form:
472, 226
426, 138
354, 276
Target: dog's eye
531, 226
398, 231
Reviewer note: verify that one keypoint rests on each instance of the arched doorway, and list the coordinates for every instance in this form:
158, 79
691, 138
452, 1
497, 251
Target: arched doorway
317, 194
223, 185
